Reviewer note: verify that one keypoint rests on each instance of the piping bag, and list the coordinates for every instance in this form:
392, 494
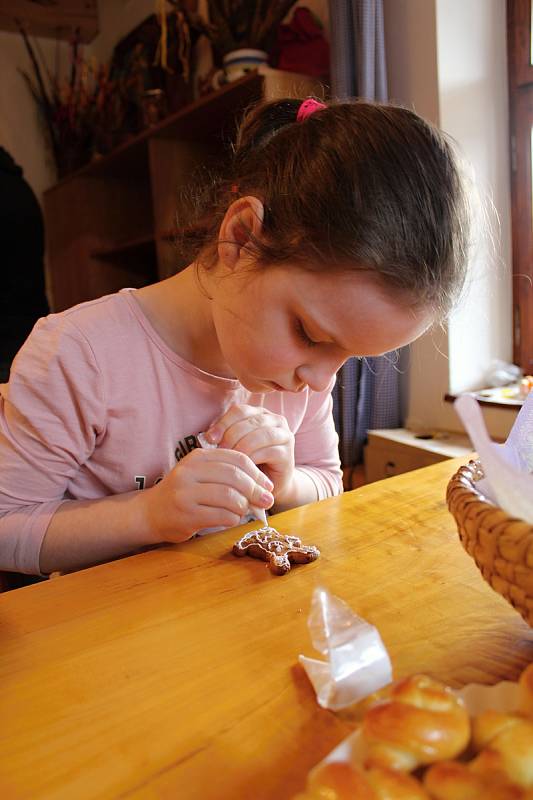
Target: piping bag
253, 512
358, 663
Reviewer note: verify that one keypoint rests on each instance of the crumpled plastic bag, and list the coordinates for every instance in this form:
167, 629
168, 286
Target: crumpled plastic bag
357, 660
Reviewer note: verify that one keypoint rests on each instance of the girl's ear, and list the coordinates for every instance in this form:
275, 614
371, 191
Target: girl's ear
243, 218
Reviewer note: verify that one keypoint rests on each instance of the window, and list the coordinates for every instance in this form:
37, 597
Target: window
520, 57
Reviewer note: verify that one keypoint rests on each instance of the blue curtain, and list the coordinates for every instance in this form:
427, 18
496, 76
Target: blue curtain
358, 66
367, 394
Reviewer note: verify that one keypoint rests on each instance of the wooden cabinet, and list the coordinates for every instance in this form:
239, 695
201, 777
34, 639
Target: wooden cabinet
112, 223
396, 450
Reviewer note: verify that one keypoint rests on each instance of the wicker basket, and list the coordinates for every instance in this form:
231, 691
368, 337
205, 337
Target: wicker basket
501, 546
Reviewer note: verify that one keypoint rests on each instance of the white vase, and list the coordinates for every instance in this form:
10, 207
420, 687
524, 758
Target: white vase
239, 62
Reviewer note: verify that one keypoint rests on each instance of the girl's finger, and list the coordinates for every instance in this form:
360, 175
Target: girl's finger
210, 517
218, 495
234, 414
259, 420
231, 476
262, 438
271, 456
199, 458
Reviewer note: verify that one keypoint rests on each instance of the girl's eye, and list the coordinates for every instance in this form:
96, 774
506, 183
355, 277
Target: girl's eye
303, 335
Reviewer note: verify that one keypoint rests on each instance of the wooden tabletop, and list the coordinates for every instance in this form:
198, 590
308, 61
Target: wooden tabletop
174, 674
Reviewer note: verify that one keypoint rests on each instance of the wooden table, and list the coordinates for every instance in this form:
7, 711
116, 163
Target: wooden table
173, 673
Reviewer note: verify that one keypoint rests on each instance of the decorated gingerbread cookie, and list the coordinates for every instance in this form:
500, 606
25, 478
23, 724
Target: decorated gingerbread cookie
278, 550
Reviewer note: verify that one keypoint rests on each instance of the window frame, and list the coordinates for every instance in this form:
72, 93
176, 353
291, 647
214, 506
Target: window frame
519, 21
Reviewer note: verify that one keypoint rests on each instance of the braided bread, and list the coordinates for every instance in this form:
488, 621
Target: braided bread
525, 685
453, 780
419, 722
342, 781
506, 745
389, 783
337, 781
422, 722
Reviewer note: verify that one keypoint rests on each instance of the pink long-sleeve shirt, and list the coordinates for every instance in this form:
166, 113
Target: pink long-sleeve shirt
97, 404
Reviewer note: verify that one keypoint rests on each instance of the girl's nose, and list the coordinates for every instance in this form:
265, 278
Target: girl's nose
319, 375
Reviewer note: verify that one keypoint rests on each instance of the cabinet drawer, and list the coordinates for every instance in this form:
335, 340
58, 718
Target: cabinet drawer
383, 462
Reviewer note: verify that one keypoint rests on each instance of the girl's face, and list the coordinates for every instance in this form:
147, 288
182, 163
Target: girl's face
284, 328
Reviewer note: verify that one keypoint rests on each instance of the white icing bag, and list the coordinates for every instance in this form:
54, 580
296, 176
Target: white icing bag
357, 661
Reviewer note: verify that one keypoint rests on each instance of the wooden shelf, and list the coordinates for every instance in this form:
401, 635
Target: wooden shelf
485, 398
212, 117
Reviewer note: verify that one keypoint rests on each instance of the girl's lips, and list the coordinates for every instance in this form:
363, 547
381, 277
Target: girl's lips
280, 388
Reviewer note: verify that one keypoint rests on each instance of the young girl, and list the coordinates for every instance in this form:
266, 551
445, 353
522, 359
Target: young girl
340, 232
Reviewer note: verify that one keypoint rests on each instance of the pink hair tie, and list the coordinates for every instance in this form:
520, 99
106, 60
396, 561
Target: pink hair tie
307, 108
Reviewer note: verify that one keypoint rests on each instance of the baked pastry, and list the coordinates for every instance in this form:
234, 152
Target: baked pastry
422, 722
419, 722
525, 688
390, 784
453, 780
505, 746
337, 781
343, 781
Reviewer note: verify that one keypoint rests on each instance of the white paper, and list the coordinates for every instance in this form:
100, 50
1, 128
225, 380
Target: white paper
508, 480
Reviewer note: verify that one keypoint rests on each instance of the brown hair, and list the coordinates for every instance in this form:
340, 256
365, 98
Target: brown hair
356, 185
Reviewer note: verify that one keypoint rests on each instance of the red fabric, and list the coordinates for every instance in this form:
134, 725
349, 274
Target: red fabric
301, 45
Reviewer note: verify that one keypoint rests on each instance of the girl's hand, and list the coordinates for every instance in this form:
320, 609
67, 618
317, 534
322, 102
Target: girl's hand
264, 437
207, 489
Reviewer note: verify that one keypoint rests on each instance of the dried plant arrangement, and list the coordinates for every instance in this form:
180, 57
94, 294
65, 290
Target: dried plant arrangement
83, 113
235, 24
